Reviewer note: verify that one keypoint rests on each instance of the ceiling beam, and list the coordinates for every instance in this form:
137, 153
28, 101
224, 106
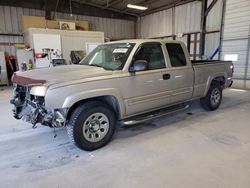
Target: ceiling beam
112, 3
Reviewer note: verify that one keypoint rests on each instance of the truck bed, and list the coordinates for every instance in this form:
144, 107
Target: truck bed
202, 62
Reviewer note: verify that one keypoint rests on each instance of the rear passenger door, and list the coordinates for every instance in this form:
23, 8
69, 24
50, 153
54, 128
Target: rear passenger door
181, 73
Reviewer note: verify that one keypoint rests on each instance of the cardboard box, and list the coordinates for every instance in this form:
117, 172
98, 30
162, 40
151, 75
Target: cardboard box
33, 21
52, 24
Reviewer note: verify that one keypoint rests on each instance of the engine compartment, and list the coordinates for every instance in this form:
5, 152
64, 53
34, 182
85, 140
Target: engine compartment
31, 108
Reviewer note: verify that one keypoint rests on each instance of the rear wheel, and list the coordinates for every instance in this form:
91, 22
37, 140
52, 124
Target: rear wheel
91, 125
213, 98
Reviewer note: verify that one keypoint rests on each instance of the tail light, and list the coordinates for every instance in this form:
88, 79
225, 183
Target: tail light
231, 70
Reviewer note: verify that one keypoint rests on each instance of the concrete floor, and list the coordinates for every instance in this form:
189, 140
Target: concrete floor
205, 149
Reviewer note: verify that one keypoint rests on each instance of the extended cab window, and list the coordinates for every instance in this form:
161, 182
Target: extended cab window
152, 53
176, 55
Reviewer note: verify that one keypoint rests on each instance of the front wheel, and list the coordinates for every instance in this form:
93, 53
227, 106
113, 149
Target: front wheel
91, 125
213, 98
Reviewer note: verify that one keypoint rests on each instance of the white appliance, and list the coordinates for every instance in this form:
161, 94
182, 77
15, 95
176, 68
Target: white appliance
67, 40
3, 75
43, 43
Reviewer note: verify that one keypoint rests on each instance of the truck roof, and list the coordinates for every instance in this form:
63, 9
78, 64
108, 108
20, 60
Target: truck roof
139, 41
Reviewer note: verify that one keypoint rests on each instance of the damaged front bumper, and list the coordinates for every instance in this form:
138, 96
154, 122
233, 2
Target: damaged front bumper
31, 108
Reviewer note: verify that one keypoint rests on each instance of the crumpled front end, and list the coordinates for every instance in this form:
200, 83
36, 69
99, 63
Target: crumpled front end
29, 104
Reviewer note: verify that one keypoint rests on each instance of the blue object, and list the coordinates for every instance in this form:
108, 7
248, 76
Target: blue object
214, 54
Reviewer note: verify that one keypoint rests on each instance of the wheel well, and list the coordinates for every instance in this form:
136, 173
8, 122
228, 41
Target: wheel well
220, 80
109, 100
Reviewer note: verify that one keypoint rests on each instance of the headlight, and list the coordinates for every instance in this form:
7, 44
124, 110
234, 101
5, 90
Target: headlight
38, 90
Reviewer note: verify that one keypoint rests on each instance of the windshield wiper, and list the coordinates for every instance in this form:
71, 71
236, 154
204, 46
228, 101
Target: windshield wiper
95, 65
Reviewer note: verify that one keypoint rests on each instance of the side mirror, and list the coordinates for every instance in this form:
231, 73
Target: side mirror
139, 65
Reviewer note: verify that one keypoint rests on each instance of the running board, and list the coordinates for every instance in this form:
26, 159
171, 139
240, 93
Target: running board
152, 115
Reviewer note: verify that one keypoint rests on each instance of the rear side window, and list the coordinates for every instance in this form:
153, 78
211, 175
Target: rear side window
176, 55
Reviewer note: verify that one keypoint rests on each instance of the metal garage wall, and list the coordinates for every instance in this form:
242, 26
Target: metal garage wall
236, 35
213, 24
212, 43
11, 22
187, 18
156, 25
214, 16
114, 29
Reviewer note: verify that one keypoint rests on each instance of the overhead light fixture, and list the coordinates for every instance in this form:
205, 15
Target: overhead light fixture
137, 7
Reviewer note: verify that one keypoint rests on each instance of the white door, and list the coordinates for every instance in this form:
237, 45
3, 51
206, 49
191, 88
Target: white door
46, 41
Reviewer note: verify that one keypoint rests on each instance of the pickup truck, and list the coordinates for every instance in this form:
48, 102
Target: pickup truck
118, 83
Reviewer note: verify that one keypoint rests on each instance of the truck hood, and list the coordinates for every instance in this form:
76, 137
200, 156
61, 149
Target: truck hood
59, 74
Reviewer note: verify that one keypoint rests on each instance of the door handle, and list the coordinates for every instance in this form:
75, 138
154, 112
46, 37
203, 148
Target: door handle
166, 76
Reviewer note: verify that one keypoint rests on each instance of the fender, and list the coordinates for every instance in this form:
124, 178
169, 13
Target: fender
76, 97
211, 78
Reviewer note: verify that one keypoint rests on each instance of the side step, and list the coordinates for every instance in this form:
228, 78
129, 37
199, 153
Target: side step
155, 114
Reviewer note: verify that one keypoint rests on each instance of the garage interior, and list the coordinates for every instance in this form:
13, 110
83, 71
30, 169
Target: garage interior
191, 148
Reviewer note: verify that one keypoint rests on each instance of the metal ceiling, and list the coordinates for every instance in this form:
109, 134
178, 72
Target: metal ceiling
100, 8
121, 5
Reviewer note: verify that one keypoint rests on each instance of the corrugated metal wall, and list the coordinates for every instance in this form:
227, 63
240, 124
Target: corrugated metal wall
156, 25
114, 29
212, 43
214, 16
213, 23
181, 19
188, 17
236, 36
11, 22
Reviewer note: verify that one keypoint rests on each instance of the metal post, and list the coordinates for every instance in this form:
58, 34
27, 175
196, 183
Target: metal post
222, 26
195, 46
188, 42
247, 60
173, 22
203, 28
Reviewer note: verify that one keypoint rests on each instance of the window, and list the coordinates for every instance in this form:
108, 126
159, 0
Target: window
109, 56
152, 53
176, 55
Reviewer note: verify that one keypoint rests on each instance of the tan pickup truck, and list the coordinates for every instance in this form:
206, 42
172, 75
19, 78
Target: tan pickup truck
122, 82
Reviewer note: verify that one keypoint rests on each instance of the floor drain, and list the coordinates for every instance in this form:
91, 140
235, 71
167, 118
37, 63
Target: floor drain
190, 113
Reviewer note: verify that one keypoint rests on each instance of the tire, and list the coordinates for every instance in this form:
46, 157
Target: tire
91, 125
213, 98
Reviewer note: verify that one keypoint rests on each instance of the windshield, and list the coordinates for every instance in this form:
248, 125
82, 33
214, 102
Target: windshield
109, 56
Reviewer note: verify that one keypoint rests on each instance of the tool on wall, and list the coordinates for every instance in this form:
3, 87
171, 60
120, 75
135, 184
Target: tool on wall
53, 55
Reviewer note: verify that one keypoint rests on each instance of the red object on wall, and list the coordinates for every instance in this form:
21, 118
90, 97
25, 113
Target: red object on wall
40, 55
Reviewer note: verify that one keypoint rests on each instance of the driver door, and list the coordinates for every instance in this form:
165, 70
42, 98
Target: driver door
148, 89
